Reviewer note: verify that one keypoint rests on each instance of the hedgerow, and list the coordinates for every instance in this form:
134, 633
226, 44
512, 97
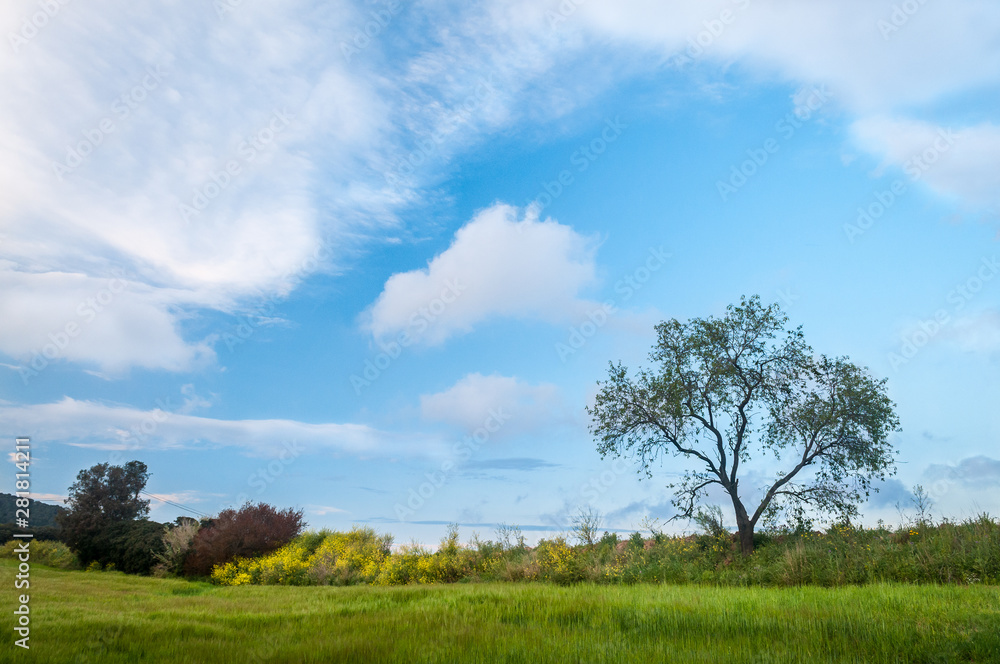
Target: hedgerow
947, 552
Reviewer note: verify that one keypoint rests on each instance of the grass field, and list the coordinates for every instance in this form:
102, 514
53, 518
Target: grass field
110, 617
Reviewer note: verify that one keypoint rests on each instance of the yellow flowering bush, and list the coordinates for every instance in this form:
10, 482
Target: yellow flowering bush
403, 566
352, 557
558, 561
325, 558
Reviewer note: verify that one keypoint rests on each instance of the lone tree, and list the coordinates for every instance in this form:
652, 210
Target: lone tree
732, 388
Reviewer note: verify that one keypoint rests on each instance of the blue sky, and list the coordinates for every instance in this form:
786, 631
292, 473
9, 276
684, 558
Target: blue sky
217, 221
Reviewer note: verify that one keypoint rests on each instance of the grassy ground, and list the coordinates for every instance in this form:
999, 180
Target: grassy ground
109, 617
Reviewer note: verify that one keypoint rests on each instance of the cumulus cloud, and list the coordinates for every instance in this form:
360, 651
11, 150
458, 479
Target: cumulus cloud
118, 428
497, 266
515, 404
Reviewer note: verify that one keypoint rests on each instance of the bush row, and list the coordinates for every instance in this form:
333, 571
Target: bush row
965, 553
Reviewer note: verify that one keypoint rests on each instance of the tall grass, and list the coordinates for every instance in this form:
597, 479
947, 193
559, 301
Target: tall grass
114, 618
964, 553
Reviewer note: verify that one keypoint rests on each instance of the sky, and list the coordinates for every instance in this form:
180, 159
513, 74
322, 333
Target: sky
370, 259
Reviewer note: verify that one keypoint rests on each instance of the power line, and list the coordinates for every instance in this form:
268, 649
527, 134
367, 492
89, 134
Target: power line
170, 502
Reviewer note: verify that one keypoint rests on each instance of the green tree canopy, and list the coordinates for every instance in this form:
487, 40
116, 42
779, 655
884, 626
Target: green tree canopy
101, 499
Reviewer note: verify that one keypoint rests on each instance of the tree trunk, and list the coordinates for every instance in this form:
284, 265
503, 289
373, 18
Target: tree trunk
746, 538
745, 527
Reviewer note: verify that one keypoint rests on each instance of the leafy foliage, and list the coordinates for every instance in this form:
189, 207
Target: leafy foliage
134, 547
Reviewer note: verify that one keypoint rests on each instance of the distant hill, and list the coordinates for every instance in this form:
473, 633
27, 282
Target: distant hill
41, 514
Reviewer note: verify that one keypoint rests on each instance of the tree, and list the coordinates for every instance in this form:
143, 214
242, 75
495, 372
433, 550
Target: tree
100, 499
252, 531
134, 547
727, 389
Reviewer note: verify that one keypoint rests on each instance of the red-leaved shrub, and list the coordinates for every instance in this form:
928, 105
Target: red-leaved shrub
251, 531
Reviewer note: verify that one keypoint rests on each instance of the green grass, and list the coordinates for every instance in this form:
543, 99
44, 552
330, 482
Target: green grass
110, 617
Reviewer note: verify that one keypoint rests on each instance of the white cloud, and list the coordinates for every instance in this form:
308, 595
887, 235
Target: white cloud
516, 405
977, 333
497, 266
111, 322
837, 42
121, 428
954, 162
323, 510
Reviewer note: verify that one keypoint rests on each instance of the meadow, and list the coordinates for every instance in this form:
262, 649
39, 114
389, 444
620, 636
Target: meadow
110, 617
